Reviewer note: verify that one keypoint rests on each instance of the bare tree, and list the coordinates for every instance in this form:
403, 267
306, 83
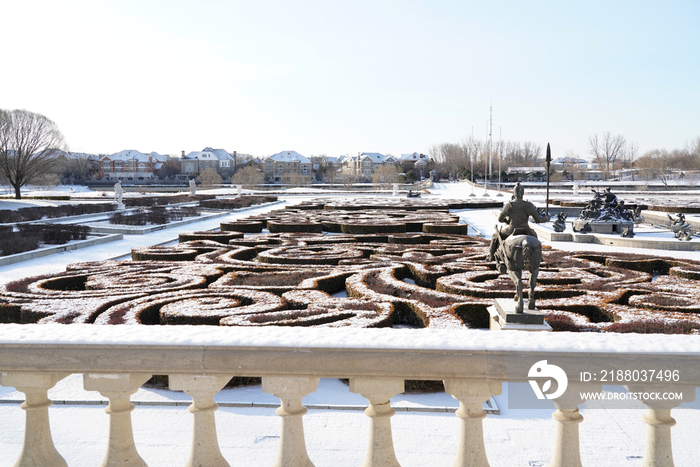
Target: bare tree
29, 146
209, 177
249, 175
386, 175
606, 151
694, 146
656, 164
348, 179
471, 149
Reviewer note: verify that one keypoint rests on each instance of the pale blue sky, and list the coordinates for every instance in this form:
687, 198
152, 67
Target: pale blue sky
331, 77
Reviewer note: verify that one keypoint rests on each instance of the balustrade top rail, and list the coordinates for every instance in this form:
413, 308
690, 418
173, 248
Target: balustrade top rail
336, 353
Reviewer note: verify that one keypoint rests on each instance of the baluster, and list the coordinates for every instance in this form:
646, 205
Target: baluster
205, 451
378, 391
121, 450
566, 440
38, 448
292, 451
658, 450
471, 395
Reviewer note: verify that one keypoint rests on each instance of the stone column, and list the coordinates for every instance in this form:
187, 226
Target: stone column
121, 451
205, 444
378, 391
471, 395
292, 451
658, 450
38, 448
566, 440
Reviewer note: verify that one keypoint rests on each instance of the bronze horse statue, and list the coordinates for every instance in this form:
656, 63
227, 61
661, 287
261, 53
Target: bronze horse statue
513, 254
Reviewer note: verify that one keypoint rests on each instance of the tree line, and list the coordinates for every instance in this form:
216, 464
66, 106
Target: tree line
609, 152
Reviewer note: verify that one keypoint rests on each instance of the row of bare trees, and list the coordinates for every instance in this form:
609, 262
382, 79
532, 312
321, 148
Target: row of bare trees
610, 152
664, 165
459, 159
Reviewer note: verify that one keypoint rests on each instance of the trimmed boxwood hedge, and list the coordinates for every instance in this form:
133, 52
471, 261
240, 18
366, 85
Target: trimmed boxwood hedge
242, 226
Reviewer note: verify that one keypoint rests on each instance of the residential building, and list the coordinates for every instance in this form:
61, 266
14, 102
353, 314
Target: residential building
365, 164
131, 165
564, 162
218, 159
288, 167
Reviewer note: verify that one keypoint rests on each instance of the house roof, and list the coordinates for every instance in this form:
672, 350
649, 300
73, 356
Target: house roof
290, 156
209, 154
414, 157
375, 156
128, 154
159, 157
220, 154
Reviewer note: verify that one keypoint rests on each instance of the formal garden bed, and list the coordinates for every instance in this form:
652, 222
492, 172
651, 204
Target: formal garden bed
35, 213
365, 279
28, 237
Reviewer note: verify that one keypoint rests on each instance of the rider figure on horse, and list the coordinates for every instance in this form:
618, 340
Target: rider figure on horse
516, 213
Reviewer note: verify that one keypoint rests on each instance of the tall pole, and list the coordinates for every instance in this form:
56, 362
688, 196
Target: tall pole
471, 153
500, 156
486, 163
549, 161
490, 141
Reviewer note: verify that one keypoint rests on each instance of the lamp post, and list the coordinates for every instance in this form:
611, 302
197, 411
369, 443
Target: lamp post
549, 162
500, 152
471, 159
486, 164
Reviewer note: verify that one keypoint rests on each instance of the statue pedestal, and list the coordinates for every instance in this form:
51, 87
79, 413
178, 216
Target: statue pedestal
601, 227
503, 317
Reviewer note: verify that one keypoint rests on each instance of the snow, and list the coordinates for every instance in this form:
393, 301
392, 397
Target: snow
379, 338
249, 435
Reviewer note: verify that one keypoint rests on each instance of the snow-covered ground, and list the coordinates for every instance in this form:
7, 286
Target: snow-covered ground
338, 436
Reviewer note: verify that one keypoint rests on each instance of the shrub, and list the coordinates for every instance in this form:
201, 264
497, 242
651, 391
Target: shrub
50, 212
655, 326
242, 226
560, 322
13, 244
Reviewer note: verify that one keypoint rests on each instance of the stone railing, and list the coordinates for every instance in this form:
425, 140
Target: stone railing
117, 360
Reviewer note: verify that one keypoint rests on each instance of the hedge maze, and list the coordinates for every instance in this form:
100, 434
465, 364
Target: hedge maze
362, 263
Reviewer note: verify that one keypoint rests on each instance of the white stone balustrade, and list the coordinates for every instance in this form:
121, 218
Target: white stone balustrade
567, 451
378, 391
117, 360
471, 395
38, 448
658, 449
202, 388
292, 451
118, 388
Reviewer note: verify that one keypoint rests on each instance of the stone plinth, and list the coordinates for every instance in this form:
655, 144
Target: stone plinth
601, 227
504, 317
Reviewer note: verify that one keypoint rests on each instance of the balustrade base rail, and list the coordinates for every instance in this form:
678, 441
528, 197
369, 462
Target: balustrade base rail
116, 361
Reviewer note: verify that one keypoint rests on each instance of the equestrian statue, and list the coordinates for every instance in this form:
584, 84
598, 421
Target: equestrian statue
517, 245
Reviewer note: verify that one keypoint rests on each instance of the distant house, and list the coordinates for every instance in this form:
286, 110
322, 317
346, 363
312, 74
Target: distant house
131, 165
564, 162
365, 164
218, 159
416, 158
528, 174
288, 167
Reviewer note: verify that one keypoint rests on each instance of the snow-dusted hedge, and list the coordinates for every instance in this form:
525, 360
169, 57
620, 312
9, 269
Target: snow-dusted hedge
427, 280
